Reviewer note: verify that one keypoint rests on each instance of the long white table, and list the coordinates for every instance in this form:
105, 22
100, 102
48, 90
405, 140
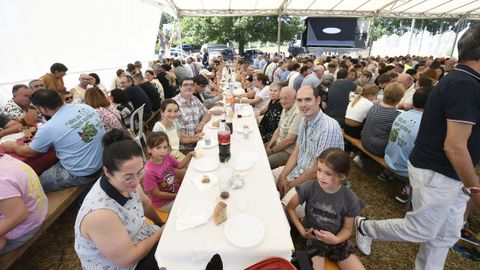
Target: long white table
193, 248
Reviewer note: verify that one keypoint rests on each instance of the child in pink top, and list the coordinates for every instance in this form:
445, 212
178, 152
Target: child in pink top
159, 181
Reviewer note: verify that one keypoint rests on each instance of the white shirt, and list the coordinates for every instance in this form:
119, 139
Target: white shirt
408, 96
359, 111
264, 94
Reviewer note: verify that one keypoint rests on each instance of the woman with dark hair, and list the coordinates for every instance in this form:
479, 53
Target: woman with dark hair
95, 98
150, 76
95, 81
110, 229
122, 104
119, 73
262, 90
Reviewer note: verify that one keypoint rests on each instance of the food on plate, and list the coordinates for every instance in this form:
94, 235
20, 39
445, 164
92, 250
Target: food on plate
220, 213
215, 123
205, 179
29, 132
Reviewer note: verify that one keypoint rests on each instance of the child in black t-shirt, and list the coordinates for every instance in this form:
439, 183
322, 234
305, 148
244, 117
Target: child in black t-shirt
330, 209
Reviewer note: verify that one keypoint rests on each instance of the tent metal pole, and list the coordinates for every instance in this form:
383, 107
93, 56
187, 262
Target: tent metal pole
411, 35
370, 35
460, 23
279, 29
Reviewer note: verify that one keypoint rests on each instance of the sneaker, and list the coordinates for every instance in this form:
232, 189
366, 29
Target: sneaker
385, 177
470, 237
358, 161
470, 253
404, 194
364, 243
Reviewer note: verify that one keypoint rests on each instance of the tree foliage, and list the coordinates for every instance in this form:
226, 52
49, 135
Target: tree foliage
200, 30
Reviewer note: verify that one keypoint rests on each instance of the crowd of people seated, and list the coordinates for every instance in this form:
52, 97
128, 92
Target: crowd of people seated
302, 105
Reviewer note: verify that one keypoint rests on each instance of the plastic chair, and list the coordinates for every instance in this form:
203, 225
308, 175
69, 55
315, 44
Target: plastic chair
272, 263
136, 126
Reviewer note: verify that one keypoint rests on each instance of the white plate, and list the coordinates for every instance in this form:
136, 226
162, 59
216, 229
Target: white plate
194, 213
244, 231
245, 161
213, 143
206, 164
197, 181
12, 137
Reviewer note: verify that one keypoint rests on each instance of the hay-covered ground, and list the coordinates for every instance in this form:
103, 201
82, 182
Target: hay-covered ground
55, 250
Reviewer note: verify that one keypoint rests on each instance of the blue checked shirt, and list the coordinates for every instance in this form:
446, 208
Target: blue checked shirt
314, 137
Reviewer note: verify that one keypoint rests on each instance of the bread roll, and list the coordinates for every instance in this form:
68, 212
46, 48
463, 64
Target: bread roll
220, 213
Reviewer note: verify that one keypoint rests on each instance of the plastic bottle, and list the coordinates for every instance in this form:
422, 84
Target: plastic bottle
223, 142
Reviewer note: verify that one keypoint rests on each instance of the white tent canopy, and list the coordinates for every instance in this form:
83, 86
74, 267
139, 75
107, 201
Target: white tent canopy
334, 8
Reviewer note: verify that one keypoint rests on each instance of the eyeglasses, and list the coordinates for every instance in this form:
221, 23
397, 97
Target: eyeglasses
187, 85
68, 98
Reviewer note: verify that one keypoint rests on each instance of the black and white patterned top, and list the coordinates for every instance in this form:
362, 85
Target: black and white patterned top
12, 110
377, 128
130, 212
269, 122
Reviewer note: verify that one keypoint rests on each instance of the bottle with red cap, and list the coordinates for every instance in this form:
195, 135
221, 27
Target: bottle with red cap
223, 141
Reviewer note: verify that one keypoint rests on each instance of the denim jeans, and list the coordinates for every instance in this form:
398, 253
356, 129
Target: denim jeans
438, 204
16, 243
57, 177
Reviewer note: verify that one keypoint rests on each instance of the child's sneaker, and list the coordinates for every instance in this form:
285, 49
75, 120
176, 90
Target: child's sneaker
404, 194
385, 177
469, 236
364, 243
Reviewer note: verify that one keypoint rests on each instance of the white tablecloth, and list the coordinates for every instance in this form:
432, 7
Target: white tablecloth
193, 248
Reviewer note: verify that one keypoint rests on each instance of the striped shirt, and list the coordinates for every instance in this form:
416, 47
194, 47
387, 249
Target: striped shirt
314, 137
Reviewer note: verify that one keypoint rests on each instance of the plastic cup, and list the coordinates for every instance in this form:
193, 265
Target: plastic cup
246, 132
207, 140
224, 183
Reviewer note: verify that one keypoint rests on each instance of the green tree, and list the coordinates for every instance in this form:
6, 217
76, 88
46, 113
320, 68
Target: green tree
200, 30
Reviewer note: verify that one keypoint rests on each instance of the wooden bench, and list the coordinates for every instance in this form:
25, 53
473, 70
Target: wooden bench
58, 202
358, 144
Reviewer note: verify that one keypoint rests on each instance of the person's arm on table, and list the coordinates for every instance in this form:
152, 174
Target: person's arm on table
205, 118
14, 213
105, 230
291, 163
10, 128
184, 162
456, 149
186, 139
262, 110
21, 150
